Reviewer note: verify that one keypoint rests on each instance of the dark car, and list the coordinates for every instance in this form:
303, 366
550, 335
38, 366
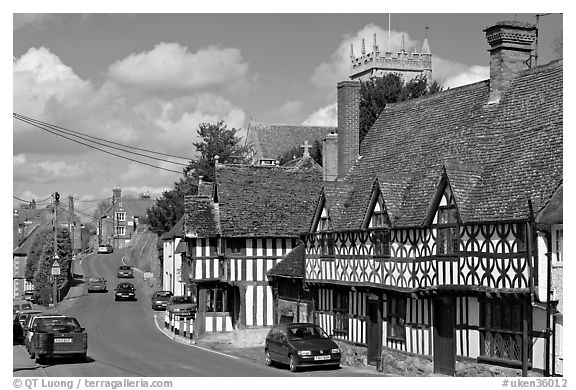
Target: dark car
20, 323
182, 306
125, 291
58, 336
301, 345
160, 299
30, 327
97, 284
18, 306
125, 271
29, 295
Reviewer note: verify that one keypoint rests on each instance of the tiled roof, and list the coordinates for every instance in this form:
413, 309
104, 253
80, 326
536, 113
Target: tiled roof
273, 140
200, 217
291, 265
176, 231
266, 201
337, 196
25, 245
496, 156
205, 188
138, 207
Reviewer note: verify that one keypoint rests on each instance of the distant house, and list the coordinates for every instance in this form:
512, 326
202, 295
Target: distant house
123, 219
238, 233
173, 247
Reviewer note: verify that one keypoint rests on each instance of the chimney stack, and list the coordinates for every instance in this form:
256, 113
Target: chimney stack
116, 194
510, 53
348, 125
330, 156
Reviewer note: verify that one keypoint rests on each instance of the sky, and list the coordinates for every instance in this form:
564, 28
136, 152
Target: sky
148, 80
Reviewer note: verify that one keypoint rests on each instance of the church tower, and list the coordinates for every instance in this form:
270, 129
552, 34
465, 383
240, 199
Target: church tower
377, 63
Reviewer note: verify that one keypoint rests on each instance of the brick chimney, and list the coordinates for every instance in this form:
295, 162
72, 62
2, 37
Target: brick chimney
510, 52
116, 194
348, 125
330, 156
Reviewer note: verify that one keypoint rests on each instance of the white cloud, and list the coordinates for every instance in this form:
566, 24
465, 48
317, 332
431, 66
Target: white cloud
169, 66
466, 76
19, 159
326, 116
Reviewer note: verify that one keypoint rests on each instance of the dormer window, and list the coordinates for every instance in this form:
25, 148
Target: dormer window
323, 222
448, 240
377, 219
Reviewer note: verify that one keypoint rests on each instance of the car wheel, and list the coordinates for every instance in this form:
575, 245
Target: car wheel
39, 358
82, 357
293, 366
267, 358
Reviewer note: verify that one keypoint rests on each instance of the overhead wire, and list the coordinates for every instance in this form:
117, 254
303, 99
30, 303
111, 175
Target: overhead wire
87, 138
23, 119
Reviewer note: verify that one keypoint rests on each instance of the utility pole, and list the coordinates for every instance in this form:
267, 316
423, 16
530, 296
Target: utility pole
71, 220
55, 228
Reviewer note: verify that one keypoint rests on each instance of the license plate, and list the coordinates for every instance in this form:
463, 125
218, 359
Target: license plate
324, 357
63, 340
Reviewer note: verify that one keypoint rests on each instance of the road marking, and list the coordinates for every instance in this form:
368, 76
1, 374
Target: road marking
192, 345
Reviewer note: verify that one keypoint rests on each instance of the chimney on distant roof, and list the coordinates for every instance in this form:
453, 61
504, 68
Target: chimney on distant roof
116, 194
348, 125
330, 156
510, 53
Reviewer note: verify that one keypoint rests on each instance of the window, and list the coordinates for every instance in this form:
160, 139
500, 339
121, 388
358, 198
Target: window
120, 230
557, 243
216, 300
396, 318
340, 309
501, 329
235, 246
448, 240
120, 216
323, 223
377, 219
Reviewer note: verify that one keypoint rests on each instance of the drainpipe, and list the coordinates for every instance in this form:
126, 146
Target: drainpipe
549, 297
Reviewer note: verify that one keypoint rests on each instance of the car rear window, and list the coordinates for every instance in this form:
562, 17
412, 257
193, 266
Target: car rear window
164, 294
58, 325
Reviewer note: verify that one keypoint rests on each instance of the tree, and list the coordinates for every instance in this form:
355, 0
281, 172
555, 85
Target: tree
43, 235
217, 140
43, 257
376, 93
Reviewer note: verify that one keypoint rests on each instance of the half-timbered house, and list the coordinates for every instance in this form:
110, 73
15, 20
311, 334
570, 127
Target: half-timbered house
240, 232
441, 236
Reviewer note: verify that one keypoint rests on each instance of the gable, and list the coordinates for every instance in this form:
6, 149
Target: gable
443, 208
377, 213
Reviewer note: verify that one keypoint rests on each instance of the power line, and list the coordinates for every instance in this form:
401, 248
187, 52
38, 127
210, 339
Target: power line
83, 136
94, 147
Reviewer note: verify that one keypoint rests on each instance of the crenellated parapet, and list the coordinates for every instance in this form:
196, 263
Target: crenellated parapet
377, 63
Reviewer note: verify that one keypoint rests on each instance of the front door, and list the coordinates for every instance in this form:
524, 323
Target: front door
444, 336
374, 332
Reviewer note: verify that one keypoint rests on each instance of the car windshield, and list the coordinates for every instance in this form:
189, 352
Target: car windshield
163, 294
306, 333
58, 325
126, 286
125, 267
96, 280
182, 299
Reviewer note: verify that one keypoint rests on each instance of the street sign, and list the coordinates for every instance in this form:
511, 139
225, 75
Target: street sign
55, 269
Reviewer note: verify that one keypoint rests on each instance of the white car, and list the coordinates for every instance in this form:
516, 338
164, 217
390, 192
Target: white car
105, 249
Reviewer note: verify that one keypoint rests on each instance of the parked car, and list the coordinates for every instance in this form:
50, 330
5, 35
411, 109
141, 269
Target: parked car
300, 345
20, 321
182, 306
58, 336
125, 271
105, 249
28, 295
20, 305
125, 291
97, 284
160, 299
30, 328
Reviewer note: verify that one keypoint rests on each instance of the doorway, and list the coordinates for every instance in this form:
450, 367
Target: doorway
374, 332
444, 336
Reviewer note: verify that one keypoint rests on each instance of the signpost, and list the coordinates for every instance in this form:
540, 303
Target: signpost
55, 272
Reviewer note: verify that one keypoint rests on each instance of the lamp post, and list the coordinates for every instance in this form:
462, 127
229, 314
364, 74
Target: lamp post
55, 271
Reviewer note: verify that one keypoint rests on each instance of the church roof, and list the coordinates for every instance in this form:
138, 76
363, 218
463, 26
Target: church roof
271, 141
496, 156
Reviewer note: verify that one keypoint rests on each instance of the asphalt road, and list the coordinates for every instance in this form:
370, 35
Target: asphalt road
123, 339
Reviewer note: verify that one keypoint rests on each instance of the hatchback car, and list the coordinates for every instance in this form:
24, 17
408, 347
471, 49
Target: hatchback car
182, 306
301, 345
125, 271
105, 249
160, 299
125, 291
30, 328
97, 284
58, 336
20, 323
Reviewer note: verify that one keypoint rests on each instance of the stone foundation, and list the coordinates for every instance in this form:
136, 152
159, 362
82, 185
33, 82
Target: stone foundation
352, 355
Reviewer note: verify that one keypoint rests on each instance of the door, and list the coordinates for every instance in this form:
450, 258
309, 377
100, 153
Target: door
444, 336
374, 332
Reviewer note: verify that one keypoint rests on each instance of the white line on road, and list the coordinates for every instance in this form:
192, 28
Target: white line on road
191, 345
